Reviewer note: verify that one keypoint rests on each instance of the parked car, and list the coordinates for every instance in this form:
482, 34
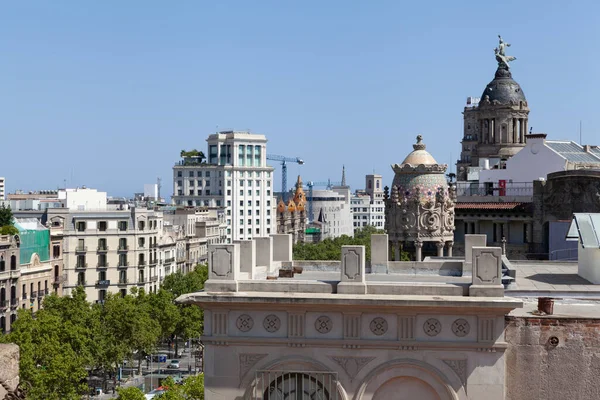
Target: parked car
174, 364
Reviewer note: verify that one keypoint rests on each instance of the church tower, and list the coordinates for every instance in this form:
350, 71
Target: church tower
495, 128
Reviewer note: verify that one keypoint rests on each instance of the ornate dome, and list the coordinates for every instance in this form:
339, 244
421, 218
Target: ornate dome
420, 175
503, 89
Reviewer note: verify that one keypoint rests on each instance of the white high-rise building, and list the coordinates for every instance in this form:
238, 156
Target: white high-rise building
235, 176
367, 204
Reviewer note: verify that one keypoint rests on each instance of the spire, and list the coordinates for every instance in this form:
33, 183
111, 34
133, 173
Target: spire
343, 175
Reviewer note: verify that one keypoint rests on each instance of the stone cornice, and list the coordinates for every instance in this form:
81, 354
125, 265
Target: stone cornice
387, 303
409, 345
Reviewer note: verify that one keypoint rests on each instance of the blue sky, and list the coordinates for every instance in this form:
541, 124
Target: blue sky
106, 94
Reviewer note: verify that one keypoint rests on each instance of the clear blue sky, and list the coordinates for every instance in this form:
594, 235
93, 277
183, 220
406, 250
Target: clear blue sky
106, 93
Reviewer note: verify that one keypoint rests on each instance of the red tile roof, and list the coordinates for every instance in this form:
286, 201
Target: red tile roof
490, 206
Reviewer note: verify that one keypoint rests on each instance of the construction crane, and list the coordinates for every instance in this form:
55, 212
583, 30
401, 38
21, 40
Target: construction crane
310, 185
284, 160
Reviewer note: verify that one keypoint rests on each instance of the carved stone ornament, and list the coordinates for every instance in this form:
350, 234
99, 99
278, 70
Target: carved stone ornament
460, 369
272, 323
432, 327
221, 262
379, 326
352, 262
323, 324
247, 361
352, 365
244, 323
461, 327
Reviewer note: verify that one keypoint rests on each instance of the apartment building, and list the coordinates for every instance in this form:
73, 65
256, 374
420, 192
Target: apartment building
233, 176
9, 281
108, 250
367, 205
198, 227
2, 188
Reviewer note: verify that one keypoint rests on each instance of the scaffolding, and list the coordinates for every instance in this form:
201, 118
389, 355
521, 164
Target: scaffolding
35, 238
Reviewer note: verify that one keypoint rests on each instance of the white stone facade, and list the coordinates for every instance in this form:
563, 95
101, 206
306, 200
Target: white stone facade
2, 188
353, 335
368, 207
336, 208
235, 177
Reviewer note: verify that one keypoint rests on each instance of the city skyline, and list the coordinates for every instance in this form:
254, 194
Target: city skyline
100, 93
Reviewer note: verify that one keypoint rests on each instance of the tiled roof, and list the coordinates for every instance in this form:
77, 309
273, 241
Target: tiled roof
491, 206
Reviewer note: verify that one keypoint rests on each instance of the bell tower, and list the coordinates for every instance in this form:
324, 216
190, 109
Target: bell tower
495, 128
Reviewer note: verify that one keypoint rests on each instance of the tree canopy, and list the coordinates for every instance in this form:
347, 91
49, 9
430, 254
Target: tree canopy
6, 216
331, 249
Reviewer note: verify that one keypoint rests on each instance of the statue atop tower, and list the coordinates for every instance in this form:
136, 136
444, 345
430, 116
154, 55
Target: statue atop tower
501, 56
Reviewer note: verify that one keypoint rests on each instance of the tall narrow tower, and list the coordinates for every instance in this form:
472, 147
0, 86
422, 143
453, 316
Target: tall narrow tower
495, 129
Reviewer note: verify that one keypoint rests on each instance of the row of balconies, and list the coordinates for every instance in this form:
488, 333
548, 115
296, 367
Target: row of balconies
104, 249
121, 281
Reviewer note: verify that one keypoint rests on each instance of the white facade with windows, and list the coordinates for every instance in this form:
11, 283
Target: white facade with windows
2, 188
334, 211
235, 177
367, 204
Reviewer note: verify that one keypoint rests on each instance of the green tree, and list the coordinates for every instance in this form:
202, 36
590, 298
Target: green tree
130, 393
48, 359
192, 388
6, 216
9, 230
190, 322
164, 311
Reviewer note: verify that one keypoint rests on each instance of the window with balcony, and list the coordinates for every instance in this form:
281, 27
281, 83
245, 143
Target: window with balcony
24, 291
2, 264
141, 242
81, 279
80, 226
81, 262
141, 276
141, 259
102, 261
122, 225
102, 226
122, 260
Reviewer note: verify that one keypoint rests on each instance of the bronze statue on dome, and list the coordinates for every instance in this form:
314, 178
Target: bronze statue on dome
501, 56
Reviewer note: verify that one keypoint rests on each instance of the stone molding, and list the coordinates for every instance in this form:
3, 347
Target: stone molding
352, 365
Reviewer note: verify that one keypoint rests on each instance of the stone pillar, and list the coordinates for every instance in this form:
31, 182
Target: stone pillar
418, 253
264, 251
450, 244
248, 257
397, 251
487, 272
353, 279
223, 267
379, 253
282, 247
477, 227
470, 242
440, 249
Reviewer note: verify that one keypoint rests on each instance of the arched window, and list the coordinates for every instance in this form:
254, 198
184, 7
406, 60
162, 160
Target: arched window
297, 385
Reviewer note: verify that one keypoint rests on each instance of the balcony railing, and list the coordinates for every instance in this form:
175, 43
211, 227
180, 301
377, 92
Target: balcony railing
103, 282
46, 291
102, 265
102, 249
81, 265
81, 283
123, 264
142, 281
24, 296
154, 278
80, 249
123, 281
4, 304
142, 263
494, 189
169, 260
123, 247
33, 295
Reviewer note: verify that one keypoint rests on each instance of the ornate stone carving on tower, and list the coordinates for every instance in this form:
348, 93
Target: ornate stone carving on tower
494, 129
291, 218
420, 209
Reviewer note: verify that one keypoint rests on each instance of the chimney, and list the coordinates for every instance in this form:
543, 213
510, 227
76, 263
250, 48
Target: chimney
587, 148
536, 138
